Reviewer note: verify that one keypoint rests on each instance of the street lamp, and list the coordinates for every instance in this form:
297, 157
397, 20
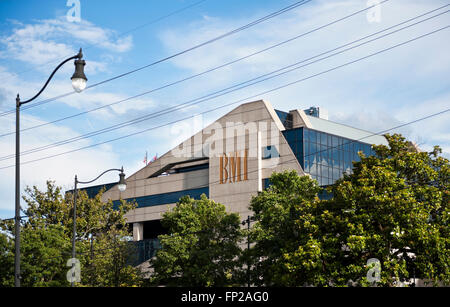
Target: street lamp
248, 221
79, 83
79, 78
121, 185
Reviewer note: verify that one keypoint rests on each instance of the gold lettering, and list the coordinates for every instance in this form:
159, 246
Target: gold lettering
246, 164
238, 167
223, 168
235, 167
230, 167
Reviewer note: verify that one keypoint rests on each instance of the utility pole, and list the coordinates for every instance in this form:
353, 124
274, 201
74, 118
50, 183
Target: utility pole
247, 221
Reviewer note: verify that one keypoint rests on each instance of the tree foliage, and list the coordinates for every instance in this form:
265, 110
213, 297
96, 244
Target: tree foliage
201, 247
286, 250
393, 207
6, 260
46, 241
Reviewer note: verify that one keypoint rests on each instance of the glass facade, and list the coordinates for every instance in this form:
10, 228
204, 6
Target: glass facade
324, 156
285, 118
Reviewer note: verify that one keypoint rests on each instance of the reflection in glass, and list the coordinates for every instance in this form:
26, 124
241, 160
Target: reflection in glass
313, 136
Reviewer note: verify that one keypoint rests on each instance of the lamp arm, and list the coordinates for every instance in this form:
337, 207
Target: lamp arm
78, 56
110, 170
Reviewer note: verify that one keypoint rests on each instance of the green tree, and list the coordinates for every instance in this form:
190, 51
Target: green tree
109, 261
393, 207
202, 247
46, 240
285, 235
6, 260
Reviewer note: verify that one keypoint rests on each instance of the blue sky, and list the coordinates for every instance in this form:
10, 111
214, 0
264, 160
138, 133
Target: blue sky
117, 36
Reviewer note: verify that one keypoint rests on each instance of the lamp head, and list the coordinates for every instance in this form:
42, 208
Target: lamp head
122, 185
79, 78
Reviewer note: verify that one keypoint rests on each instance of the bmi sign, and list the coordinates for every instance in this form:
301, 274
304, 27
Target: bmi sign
233, 167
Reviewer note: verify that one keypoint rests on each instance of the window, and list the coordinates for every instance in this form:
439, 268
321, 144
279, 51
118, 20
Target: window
313, 136
367, 150
312, 149
323, 139
335, 141
320, 180
326, 156
314, 169
306, 169
325, 171
347, 145
299, 147
290, 137
336, 174
306, 135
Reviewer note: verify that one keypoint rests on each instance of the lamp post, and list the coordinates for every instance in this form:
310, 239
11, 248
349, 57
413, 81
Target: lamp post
248, 221
79, 84
122, 186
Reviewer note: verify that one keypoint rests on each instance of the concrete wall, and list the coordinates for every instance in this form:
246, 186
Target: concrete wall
254, 125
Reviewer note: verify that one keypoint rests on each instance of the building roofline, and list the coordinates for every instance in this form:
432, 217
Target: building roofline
331, 121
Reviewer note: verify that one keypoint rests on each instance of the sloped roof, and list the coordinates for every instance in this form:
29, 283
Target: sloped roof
349, 132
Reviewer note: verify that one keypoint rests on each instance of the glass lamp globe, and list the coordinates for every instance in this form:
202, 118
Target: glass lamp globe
79, 78
78, 84
122, 186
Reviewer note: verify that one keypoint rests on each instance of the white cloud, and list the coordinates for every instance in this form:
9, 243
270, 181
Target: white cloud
87, 164
374, 94
55, 39
87, 100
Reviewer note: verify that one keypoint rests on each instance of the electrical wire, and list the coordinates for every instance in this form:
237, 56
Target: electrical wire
120, 34
224, 65
259, 94
306, 155
430, 183
382, 132
242, 28
217, 93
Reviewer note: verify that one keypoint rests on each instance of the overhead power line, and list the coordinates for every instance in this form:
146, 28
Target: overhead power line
223, 91
247, 98
218, 67
122, 34
314, 153
93, 252
379, 133
232, 32
382, 132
